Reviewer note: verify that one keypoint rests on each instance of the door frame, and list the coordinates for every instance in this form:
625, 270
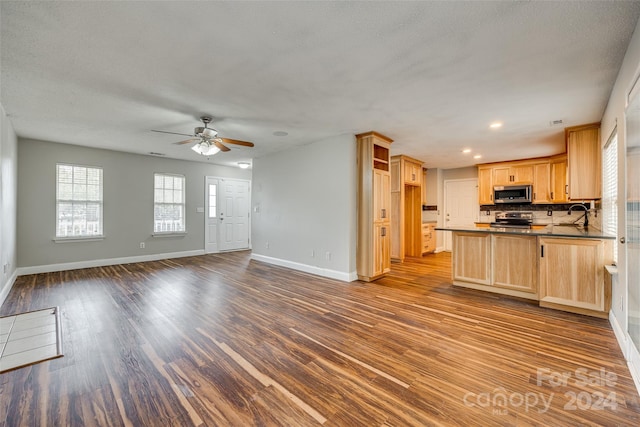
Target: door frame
206, 206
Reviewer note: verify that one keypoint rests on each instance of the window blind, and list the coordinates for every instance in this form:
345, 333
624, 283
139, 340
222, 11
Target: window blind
610, 190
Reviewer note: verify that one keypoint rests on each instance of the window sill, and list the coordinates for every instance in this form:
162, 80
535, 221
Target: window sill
72, 239
170, 234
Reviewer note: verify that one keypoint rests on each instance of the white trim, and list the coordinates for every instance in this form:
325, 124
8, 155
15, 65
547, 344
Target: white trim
318, 271
621, 336
633, 361
6, 288
71, 239
103, 262
170, 234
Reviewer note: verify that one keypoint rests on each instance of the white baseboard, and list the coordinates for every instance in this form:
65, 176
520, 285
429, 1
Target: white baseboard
633, 361
102, 262
621, 336
324, 272
6, 288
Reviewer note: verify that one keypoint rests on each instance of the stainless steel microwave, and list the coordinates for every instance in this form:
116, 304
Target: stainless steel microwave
512, 193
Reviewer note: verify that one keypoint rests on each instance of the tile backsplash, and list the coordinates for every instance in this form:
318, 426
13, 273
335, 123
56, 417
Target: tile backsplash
558, 216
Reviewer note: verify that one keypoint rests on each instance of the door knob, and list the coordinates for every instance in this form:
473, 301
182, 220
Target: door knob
623, 240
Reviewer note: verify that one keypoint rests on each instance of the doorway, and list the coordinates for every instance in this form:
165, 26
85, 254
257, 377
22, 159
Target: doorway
460, 205
226, 214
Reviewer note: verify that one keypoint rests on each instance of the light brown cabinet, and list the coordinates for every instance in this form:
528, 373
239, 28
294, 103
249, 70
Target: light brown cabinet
406, 205
428, 238
471, 257
541, 178
514, 262
373, 258
510, 173
572, 275
485, 185
585, 169
558, 172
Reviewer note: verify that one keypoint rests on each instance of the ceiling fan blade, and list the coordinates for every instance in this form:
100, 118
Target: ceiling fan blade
237, 142
220, 146
172, 133
186, 141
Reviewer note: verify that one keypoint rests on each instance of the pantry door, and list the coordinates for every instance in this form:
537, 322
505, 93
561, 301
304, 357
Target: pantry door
460, 205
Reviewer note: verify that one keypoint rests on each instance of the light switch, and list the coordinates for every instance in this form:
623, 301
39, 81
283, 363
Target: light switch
200, 210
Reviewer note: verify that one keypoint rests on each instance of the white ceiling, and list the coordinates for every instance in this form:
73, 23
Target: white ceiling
430, 75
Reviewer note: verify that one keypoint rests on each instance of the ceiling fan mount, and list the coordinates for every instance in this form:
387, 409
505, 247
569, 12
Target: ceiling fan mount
207, 140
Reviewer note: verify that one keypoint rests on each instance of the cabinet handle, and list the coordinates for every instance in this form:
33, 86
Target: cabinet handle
552, 195
383, 231
623, 240
566, 189
384, 213
490, 196
534, 196
541, 251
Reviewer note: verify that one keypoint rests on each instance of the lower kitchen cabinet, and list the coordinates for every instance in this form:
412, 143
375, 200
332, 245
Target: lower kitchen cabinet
514, 262
428, 238
572, 275
471, 257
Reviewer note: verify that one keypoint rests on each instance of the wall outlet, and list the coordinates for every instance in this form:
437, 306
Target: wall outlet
313, 253
549, 212
488, 213
266, 245
141, 245
327, 256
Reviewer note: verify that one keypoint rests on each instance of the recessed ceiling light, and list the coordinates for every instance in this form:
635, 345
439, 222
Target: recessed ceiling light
280, 133
477, 156
495, 125
466, 150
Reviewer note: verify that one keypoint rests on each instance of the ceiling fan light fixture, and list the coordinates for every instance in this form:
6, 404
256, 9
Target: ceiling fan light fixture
205, 149
209, 133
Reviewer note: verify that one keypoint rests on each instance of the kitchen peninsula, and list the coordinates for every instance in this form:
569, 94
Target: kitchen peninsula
562, 267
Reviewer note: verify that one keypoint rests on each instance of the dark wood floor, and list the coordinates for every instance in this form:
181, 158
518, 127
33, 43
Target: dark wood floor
222, 340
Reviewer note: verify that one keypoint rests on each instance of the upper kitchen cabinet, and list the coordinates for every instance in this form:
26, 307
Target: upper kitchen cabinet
406, 205
509, 173
373, 259
583, 153
485, 185
558, 175
541, 178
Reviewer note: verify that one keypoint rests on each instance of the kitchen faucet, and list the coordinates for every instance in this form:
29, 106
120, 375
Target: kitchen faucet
586, 213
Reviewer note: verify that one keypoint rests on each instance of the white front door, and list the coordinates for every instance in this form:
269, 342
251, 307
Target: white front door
233, 213
211, 215
460, 204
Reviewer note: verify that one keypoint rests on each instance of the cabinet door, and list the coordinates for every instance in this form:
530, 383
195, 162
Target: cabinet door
583, 153
501, 175
514, 262
541, 179
412, 173
471, 257
572, 273
485, 185
381, 195
559, 187
522, 174
381, 249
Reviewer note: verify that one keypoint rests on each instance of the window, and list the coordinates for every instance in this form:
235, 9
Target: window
212, 201
168, 203
78, 201
610, 190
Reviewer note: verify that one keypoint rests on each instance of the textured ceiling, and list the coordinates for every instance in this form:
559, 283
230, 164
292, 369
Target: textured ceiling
430, 75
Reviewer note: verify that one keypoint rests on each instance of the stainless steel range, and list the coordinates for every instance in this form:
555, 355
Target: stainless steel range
513, 220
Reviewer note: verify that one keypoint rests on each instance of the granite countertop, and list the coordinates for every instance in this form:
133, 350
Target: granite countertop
548, 231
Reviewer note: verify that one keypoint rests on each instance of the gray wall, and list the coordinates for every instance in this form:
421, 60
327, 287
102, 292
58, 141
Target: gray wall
460, 173
128, 203
8, 201
306, 201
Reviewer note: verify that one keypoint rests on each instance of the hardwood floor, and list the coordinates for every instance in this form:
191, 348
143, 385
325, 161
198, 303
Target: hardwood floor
222, 340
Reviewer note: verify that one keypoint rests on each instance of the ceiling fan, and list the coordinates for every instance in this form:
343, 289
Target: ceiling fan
207, 140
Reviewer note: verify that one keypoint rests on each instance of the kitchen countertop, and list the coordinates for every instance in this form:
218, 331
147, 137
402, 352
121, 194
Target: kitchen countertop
548, 231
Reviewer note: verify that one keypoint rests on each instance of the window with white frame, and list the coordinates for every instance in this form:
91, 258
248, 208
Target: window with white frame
168, 203
78, 201
610, 190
